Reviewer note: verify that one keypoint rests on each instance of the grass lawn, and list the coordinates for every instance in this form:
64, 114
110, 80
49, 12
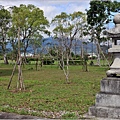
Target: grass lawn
47, 94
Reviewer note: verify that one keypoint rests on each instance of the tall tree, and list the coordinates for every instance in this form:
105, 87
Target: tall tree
5, 18
67, 26
26, 21
96, 17
100, 14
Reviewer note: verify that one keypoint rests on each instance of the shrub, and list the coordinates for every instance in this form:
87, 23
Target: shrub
74, 62
48, 62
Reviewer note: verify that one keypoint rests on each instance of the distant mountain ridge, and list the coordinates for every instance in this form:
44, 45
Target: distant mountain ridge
89, 47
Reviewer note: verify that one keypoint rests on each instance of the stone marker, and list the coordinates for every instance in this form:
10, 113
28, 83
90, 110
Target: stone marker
107, 104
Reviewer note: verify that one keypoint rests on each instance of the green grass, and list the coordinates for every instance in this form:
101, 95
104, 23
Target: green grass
47, 92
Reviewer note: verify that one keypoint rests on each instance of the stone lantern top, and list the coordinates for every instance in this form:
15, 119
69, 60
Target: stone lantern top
115, 32
116, 19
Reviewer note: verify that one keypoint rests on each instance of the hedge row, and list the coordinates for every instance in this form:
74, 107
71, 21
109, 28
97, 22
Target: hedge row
74, 62
51, 62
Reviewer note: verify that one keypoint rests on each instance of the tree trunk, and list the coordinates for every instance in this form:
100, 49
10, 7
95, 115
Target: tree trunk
12, 75
5, 59
67, 69
62, 66
82, 49
36, 65
98, 54
4, 47
20, 84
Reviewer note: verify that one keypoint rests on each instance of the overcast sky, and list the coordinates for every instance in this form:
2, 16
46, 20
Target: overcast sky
51, 8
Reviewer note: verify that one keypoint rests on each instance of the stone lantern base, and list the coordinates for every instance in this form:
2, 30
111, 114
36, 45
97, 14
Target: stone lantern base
107, 103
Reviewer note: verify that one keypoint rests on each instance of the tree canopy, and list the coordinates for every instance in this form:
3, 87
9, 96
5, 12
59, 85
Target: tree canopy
5, 18
30, 19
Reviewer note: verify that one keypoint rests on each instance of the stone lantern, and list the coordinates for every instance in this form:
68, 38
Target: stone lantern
107, 104
115, 35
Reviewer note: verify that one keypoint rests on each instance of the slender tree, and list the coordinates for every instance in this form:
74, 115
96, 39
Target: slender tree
96, 20
36, 43
26, 21
67, 26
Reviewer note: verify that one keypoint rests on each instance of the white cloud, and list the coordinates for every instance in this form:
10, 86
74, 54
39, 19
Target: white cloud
50, 11
51, 8
75, 7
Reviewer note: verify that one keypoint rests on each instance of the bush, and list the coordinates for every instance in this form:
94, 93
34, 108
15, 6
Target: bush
31, 59
91, 63
48, 62
74, 62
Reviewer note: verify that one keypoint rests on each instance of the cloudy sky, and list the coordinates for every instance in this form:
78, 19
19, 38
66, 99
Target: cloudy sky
51, 8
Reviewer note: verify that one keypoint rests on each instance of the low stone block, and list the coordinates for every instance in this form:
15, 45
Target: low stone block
105, 112
107, 100
110, 85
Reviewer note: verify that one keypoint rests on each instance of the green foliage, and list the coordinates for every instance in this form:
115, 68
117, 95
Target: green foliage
99, 14
74, 62
32, 23
96, 12
68, 24
100, 11
96, 17
29, 17
5, 18
31, 59
48, 61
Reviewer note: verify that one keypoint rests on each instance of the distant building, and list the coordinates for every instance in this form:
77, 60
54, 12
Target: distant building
91, 55
27, 55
